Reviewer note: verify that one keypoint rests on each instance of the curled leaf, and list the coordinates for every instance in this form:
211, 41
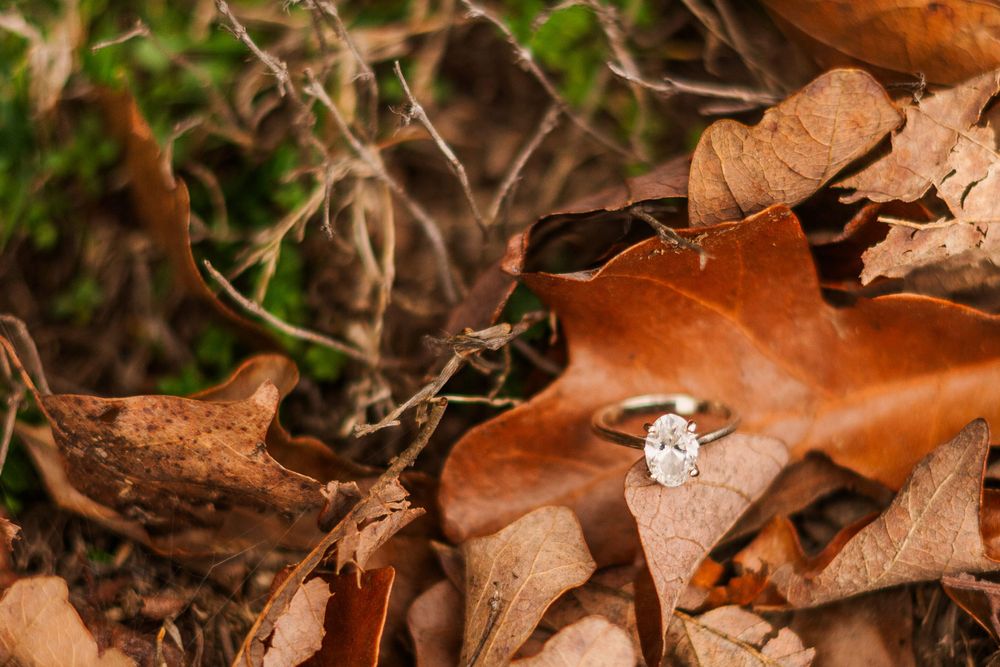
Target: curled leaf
797, 147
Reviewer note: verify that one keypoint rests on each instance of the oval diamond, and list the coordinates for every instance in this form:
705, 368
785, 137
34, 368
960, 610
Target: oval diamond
671, 450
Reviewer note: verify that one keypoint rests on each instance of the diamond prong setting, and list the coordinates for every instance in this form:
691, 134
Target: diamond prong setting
671, 450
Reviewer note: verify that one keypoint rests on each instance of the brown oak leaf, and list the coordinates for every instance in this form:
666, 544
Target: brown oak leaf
513, 576
946, 40
873, 383
678, 526
39, 628
730, 636
797, 147
931, 529
590, 642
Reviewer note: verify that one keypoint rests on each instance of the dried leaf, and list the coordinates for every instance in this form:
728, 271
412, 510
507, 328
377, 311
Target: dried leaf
590, 642
941, 146
39, 628
435, 622
355, 618
930, 530
875, 384
157, 457
875, 630
512, 577
730, 636
298, 633
163, 204
797, 147
678, 526
375, 525
946, 40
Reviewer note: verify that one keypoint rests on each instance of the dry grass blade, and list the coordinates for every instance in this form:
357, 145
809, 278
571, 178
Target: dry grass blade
296, 332
428, 225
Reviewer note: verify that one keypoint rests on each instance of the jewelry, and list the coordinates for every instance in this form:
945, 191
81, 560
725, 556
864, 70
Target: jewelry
671, 444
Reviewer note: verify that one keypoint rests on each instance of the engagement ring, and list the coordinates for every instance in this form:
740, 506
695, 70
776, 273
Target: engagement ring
671, 442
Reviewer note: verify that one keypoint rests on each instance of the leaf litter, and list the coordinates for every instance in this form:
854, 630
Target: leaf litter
561, 550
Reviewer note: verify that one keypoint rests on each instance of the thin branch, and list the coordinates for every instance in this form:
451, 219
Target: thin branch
549, 122
464, 347
290, 329
327, 10
416, 110
277, 67
527, 62
674, 85
140, 29
934, 224
427, 223
668, 235
495, 402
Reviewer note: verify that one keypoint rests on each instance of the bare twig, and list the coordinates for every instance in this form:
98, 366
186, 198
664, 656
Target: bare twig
548, 124
327, 11
290, 329
464, 346
140, 29
415, 110
527, 62
495, 402
277, 67
934, 224
427, 223
674, 85
668, 235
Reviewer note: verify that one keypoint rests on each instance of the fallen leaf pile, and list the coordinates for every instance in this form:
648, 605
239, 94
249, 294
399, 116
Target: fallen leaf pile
859, 472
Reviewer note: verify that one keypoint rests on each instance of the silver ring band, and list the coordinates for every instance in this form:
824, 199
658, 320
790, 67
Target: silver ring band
604, 420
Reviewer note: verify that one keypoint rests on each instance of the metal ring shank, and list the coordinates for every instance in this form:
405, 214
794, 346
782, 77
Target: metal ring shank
605, 419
